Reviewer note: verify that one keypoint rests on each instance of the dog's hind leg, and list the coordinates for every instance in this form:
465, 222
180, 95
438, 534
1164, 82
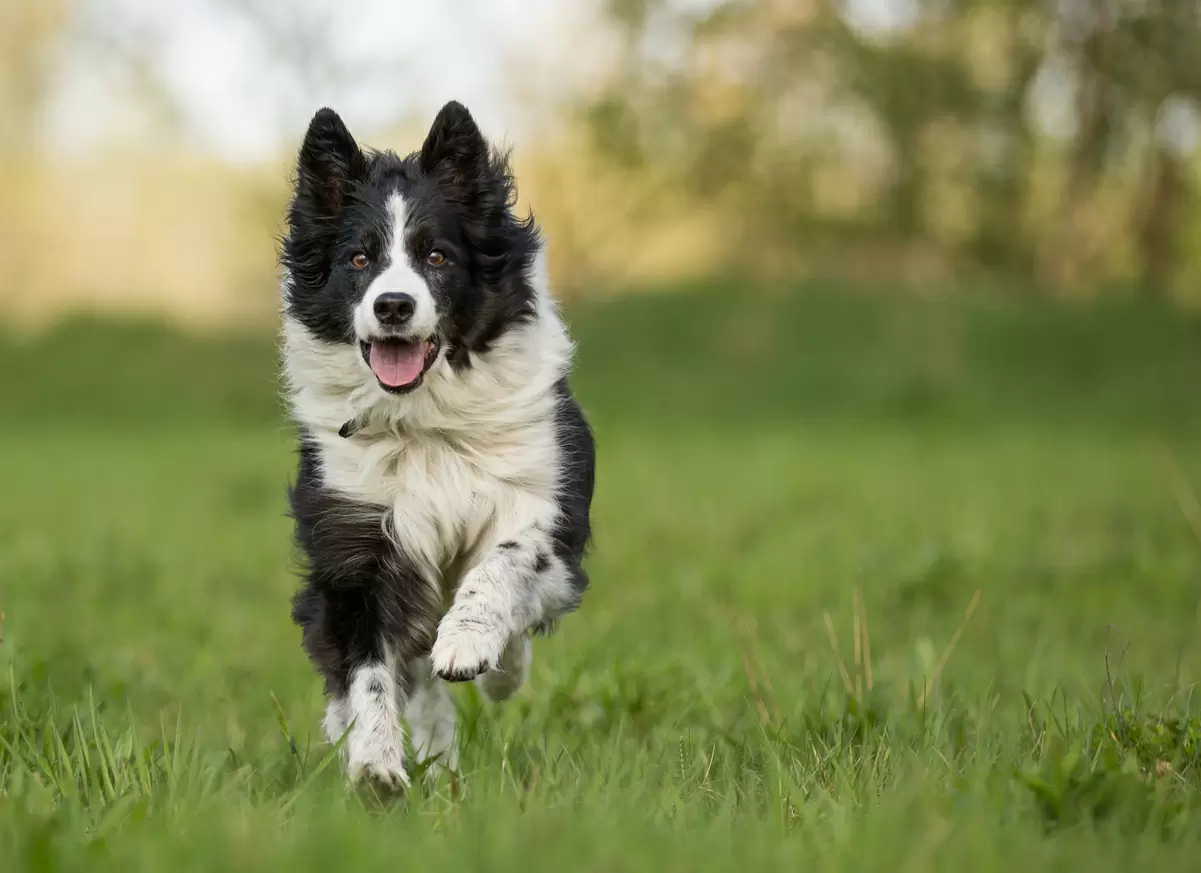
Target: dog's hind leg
513, 669
430, 713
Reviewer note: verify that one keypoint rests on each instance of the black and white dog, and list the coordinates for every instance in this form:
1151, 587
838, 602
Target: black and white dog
446, 473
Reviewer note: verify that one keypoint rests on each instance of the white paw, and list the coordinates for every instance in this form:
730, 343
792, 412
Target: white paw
384, 769
465, 649
376, 755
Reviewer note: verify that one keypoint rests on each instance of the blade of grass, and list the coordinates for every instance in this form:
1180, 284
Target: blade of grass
946, 655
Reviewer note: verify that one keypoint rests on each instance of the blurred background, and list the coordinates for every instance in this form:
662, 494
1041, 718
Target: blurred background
884, 308
1050, 145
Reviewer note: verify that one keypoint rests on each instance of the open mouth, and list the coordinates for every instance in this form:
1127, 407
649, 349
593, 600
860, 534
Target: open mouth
399, 365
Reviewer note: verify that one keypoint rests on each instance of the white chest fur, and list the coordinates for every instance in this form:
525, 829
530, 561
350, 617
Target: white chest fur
466, 461
452, 496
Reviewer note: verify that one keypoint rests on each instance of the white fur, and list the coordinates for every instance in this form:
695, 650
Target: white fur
375, 744
431, 716
398, 277
498, 601
337, 719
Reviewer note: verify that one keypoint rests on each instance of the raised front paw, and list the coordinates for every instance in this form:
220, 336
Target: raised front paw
465, 648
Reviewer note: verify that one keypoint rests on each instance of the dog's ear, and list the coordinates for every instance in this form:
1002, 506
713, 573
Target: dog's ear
329, 163
455, 146
330, 160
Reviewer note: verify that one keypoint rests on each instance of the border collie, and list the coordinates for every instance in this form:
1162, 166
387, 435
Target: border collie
446, 472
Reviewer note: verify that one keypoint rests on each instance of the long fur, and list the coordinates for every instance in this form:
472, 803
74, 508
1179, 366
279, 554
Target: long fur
444, 521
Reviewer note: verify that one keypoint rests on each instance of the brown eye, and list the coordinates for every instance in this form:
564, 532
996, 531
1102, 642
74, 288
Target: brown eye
359, 261
435, 258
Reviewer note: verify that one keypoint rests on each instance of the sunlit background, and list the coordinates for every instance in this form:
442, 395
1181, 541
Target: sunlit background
146, 146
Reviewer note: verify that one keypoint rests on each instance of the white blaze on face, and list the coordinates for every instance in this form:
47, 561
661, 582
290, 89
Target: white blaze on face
398, 278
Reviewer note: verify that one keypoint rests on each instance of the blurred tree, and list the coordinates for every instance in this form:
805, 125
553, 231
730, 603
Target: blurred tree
757, 104
1135, 61
28, 33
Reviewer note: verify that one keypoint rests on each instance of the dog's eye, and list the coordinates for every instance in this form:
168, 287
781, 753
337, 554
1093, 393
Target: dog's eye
435, 258
359, 261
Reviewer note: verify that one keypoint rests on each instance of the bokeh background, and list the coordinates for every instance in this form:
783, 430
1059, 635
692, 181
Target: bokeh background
887, 322
1049, 145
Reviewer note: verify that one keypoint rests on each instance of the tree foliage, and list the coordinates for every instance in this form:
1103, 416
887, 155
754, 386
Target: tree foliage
1047, 140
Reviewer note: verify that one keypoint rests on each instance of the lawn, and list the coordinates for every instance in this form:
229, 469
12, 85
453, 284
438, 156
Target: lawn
999, 494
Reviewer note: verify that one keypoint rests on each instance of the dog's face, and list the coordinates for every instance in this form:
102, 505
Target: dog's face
413, 261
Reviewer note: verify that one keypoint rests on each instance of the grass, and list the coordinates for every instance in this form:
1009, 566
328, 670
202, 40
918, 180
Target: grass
786, 481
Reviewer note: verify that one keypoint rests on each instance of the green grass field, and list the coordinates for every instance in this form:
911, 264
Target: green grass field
763, 457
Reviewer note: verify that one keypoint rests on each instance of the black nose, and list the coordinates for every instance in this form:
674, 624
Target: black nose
394, 309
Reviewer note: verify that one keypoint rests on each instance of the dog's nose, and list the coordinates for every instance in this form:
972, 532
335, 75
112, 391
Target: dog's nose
394, 309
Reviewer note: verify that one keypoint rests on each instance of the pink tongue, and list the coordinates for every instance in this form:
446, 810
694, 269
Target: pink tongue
397, 364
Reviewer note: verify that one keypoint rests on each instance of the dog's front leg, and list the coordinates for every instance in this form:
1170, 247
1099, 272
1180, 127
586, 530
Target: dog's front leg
365, 690
366, 613
520, 584
375, 744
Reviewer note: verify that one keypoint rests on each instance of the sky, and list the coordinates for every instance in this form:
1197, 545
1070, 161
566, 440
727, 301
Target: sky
398, 58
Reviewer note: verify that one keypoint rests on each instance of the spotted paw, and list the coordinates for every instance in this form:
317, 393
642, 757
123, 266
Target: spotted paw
464, 650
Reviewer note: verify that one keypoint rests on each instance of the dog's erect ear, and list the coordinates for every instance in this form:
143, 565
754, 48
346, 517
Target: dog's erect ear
455, 145
329, 161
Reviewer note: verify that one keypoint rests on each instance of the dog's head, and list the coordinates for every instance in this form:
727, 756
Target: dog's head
414, 262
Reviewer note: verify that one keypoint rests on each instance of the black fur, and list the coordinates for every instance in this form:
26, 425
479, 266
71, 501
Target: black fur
360, 589
577, 449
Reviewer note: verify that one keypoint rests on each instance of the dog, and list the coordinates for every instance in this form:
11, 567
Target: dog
443, 497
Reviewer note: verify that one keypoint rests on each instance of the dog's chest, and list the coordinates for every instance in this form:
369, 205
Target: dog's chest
450, 499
